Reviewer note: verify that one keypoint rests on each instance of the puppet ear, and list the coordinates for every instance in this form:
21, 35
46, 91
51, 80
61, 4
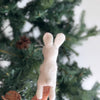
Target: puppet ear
60, 38
48, 39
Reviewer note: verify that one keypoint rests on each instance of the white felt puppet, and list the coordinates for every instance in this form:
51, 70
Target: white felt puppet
48, 69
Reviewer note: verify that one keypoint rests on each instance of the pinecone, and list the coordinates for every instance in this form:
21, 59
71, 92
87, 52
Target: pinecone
23, 43
25, 39
12, 95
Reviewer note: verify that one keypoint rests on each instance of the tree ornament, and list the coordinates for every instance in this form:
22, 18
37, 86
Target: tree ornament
12, 95
23, 43
46, 90
48, 69
25, 39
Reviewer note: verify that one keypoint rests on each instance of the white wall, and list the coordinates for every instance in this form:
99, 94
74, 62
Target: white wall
89, 52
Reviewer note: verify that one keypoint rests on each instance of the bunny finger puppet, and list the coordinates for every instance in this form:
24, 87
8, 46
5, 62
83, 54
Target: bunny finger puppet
48, 69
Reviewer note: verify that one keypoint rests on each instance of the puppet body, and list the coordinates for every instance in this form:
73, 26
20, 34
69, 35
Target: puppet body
48, 69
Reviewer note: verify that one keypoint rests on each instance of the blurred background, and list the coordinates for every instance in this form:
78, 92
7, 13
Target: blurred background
89, 51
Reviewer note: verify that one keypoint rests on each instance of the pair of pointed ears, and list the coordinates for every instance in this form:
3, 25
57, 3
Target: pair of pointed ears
48, 39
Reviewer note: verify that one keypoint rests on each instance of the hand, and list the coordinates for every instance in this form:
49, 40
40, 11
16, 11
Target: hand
3, 98
46, 91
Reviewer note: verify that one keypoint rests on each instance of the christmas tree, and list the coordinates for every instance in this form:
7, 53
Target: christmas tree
23, 47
